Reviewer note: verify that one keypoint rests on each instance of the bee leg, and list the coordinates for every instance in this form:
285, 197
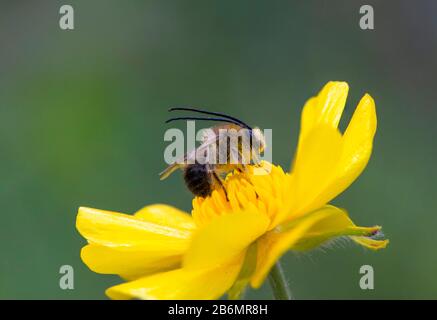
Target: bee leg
256, 161
221, 184
243, 169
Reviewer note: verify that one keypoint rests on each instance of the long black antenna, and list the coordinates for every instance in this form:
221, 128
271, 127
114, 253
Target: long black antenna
235, 120
207, 119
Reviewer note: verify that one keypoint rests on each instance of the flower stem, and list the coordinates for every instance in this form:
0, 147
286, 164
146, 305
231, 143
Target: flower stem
279, 284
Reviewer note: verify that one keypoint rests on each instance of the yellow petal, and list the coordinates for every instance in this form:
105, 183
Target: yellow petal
326, 108
337, 224
129, 264
119, 230
316, 160
224, 238
247, 269
167, 216
274, 243
306, 233
371, 243
181, 284
128, 245
357, 148
326, 164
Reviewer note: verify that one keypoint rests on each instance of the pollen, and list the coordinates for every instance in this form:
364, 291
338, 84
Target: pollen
259, 189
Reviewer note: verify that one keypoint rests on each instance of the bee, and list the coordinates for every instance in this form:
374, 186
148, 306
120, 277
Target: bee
225, 147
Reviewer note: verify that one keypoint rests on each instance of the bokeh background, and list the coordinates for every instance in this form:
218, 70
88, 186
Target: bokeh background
82, 122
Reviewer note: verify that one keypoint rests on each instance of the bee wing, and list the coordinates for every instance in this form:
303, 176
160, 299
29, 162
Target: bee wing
188, 158
210, 139
169, 170
178, 164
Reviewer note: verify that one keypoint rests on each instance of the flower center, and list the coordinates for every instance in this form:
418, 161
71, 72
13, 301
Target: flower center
260, 188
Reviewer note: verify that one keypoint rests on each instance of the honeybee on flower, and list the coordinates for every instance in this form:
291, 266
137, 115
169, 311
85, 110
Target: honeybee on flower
229, 146
232, 240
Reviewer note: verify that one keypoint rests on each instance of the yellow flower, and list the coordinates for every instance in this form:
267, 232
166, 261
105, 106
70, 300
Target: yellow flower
223, 245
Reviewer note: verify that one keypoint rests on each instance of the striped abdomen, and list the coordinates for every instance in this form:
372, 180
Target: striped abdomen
198, 179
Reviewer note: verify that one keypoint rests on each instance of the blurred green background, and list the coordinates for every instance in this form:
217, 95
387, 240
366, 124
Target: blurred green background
82, 122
